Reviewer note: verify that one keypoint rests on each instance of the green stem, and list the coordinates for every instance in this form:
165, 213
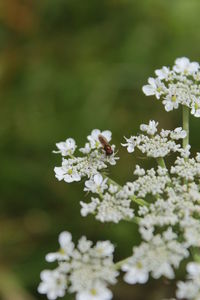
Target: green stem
186, 114
120, 263
110, 181
135, 220
161, 162
196, 255
139, 201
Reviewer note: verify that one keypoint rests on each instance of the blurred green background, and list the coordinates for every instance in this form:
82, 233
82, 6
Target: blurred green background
66, 67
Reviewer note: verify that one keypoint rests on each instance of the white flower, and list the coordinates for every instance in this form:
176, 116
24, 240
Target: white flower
162, 171
163, 73
198, 157
89, 208
193, 270
157, 256
67, 173
96, 184
155, 87
171, 101
185, 152
86, 149
139, 171
150, 129
183, 65
165, 133
97, 292
188, 290
113, 189
94, 137
169, 218
86, 270
178, 133
135, 274
66, 148
191, 288
66, 248
133, 142
195, 108
94, 160
191, 229
149, 183
169, 235
110, 159
178, 86
73, 169
187, 169
143, 210
158, 145
84, 245
103, 249
146, 233
53, 284
114, 208
160, 213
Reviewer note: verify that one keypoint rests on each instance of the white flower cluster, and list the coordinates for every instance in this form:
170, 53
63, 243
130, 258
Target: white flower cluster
112, 205
175, 206
168, 198
155, 144
158, 256
187, 169
178, 204
74, 168
182, 211
177, 86
84, 270
191, 288
150, 182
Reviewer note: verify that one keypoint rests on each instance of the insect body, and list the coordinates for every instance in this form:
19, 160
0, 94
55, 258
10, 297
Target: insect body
106, 146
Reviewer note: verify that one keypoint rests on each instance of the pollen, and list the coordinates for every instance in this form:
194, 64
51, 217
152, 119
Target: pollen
70, 171
97, 144
93, 292
62, 251
174, 98
139, 265
196, 106
159, 89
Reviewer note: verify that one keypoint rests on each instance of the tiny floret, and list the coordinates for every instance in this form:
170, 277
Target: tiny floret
66, 148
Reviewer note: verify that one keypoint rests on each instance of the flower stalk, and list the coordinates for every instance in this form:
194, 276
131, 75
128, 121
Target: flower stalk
185, 120
161, 162
120, 263
139, 201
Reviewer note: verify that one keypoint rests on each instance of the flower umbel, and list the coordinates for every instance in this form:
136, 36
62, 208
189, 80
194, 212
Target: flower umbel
84, 270
163, 200
177, 86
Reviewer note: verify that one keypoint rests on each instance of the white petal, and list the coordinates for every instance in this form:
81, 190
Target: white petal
98, 179
64, 239
148, 90
107, 134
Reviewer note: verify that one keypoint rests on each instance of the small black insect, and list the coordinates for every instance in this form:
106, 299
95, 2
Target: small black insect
106, 146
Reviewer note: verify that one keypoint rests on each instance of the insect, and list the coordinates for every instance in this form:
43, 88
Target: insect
106, 146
